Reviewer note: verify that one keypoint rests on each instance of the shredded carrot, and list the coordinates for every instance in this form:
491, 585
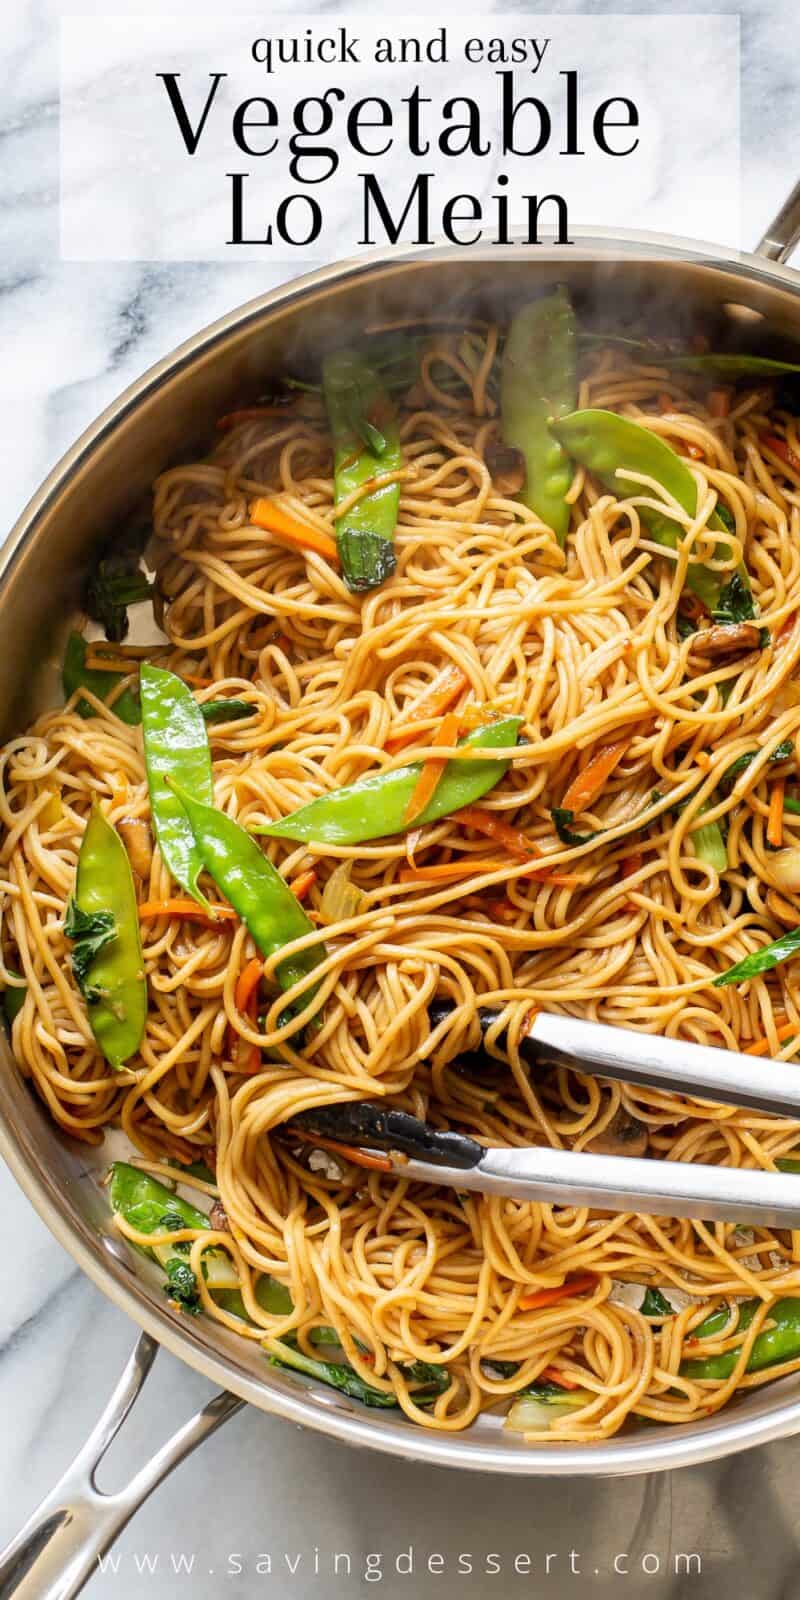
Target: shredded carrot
779, 447
584, 789
433, 703
555, 1375
195, 681
488, 822
775, 817
248, 1056
150, 909
300, 535
360, 1158
719, 402
762, 1047
247, 983
447, 871
250, 414
301, 885
550, 1297
632, 863
695, 452
432, 769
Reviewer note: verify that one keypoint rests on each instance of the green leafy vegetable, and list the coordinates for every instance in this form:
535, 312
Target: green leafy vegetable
76, 675
114, 585
781, 949
782, 752
655, 1305
227, 710
709, 844
90, 931
181, 1285
14, 1000
562, 819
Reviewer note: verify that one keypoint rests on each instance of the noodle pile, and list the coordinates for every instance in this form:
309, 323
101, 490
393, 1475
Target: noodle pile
585, 647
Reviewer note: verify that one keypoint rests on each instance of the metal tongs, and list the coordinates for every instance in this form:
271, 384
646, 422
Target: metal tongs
568, 1177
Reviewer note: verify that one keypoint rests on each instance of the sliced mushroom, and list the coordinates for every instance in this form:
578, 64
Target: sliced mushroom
507, 467
218, 1218
136, 837
624, 1136
725, 640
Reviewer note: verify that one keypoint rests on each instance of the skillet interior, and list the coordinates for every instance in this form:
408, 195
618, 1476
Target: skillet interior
166, 415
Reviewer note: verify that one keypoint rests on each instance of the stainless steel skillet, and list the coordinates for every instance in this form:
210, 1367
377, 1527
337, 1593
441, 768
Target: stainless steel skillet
171, 408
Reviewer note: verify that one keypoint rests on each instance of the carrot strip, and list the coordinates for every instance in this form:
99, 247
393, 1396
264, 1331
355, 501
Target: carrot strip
587, 786
779, 447
695, 452
247, 983
775, 817
550, 1297
301, 885
632, 863
719, 402
555, 1375
248, 1056
360, 1158
251, 414
762, 1047
300, 535
150, 909
433, 703
432, 769
449, 871
488, 822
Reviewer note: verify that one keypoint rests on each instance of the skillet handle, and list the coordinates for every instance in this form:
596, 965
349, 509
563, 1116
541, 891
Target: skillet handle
783, 232
57, 1551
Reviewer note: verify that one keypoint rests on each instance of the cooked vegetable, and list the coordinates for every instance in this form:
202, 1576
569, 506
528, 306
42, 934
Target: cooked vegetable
107, 957
612, 446
151, 910
341, 898
782, 752
148, 1206
13, 1000
624, 1135
248, 1057
433, 703
724, 642
137, 839
762, 1047
430, 1380
655, 1305
76, 675
774, 828
116, 582
776, 1344
377, 805
255, 889
299, 535
781, 949
227, 710
709, 844
563, 819
589, 784
537, 1408
492, 824
785, 867
366, 444
175, 746
538, 383
728, 364
562, 1291
432, 769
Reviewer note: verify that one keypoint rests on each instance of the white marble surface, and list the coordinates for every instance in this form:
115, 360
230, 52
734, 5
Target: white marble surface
72, 336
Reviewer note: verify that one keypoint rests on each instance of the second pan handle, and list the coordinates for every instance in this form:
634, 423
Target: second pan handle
782, 235
56, 1552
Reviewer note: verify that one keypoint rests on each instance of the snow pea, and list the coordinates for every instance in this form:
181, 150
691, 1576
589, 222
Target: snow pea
175, 745
771, 955
265, 903
538, 383
610, 446
770, 1348
366, 442
377, 805
76, 675
150, 1207
103, 921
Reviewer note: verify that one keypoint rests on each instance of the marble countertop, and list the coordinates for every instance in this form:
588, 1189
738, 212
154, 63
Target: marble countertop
73, 335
